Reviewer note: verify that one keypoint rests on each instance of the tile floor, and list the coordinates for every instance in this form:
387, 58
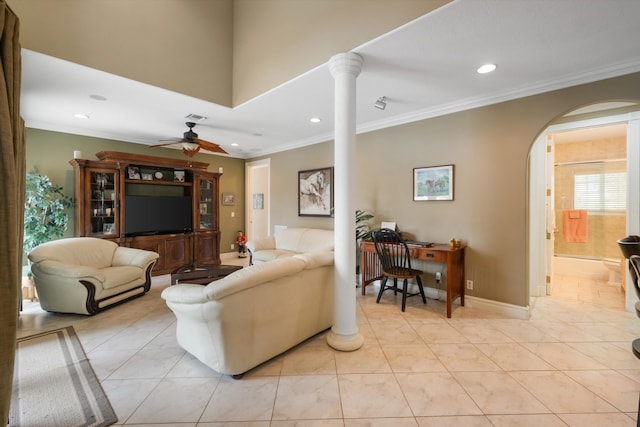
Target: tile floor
569, 365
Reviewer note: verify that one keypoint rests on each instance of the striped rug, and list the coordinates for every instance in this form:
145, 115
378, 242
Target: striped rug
54, 384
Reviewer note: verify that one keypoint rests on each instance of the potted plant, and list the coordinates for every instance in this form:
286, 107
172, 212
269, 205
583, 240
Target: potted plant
45, 216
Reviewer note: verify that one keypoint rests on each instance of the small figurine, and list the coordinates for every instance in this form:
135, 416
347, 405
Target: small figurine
241, 241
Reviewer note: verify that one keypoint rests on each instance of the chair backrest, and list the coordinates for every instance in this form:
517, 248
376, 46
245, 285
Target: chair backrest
391, 249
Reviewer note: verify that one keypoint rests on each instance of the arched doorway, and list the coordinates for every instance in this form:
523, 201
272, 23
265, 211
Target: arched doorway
546, 207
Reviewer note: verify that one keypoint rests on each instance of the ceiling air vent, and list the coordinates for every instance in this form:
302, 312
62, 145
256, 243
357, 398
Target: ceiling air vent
195, 117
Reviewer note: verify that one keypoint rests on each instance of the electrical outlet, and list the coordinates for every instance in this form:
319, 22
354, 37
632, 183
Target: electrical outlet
438, 276
233, 246
470, 285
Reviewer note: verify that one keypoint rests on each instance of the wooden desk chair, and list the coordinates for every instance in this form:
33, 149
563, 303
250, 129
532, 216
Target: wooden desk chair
395, 260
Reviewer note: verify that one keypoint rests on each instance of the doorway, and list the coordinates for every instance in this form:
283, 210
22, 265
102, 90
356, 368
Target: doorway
567, 164
589, 210
257, 199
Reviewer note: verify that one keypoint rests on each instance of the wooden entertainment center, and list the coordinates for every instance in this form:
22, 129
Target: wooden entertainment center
184, 193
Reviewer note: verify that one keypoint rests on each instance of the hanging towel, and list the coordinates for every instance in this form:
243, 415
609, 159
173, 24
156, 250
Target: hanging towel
574, 226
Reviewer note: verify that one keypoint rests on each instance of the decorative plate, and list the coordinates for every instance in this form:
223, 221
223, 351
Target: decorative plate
158, 175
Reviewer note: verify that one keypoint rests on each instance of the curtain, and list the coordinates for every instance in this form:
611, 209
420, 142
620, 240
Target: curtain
12, 194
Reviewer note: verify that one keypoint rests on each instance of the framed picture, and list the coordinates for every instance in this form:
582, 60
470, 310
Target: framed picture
315, 192
433, 183
258, 201
109, 228
178, 176
133, 172
228, 199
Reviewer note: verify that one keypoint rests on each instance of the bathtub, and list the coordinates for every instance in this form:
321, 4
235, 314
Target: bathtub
593, 269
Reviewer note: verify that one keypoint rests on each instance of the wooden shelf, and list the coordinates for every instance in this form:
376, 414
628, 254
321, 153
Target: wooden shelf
199, 246
158, 182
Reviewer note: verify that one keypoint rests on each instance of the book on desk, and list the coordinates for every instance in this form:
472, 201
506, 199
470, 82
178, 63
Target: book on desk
421, 244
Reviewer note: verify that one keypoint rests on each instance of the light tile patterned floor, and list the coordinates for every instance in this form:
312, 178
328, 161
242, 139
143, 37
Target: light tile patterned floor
569, 365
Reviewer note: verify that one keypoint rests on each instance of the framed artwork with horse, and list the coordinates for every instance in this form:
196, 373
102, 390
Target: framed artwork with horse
433, 183
315, 192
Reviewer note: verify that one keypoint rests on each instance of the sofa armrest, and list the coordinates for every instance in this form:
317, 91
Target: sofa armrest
56, 268
185, 293
133, 257
261, 244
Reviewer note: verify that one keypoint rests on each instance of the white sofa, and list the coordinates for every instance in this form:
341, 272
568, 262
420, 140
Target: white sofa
84, 275
289, 242
254, 314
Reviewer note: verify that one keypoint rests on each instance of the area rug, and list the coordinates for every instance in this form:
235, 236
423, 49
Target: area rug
54, 384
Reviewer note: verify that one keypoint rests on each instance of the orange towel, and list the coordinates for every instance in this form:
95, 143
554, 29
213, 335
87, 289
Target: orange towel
574, 226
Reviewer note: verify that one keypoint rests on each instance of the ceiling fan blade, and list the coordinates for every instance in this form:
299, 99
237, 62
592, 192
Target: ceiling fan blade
210, 146
165, 144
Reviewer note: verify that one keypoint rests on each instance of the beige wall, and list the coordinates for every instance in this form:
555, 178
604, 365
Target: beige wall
489, 147
181, 45
50, 153
278, 40
222, 51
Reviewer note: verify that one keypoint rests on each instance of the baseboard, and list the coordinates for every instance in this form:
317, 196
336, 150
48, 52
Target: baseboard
510, 310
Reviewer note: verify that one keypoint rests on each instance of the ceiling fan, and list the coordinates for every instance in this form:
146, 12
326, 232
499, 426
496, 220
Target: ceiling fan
191, 144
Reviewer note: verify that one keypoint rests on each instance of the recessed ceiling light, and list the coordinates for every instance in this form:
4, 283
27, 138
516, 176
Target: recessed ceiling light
80, 116
315, 119
234, 144
98, 97
486, 68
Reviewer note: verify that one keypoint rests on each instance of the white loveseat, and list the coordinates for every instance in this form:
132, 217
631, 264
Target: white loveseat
84, 275
256, 313
289, 242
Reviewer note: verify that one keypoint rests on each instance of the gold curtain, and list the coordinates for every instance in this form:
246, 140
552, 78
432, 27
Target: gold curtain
12, 194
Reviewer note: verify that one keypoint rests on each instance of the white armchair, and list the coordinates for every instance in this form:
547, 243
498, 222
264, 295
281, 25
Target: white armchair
85, 275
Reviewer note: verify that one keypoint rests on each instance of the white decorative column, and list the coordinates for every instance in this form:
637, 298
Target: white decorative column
344, 334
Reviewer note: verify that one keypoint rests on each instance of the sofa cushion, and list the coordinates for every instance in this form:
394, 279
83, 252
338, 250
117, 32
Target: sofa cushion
253, 275
315, 239
86, 251
304, 240
121, 276
271, 254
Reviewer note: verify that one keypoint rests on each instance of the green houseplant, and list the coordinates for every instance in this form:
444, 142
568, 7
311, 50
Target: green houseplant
45, 216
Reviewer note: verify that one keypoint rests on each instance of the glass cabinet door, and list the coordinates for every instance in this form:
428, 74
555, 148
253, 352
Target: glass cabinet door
103, 215
205, 199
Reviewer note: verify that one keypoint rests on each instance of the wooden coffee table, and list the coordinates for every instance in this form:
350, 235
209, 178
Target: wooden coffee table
202, 274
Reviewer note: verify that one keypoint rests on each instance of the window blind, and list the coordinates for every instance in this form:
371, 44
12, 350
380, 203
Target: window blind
600, 191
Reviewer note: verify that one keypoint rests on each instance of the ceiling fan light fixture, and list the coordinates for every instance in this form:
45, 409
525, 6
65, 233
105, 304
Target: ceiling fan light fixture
381, 103
190, 146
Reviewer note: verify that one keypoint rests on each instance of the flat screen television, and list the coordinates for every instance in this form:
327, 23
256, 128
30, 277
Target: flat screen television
148, 215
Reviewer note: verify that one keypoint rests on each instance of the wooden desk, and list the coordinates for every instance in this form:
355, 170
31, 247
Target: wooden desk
453, 257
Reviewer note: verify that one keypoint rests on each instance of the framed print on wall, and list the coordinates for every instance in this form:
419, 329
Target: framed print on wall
228, 199
433, 183
315, 192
